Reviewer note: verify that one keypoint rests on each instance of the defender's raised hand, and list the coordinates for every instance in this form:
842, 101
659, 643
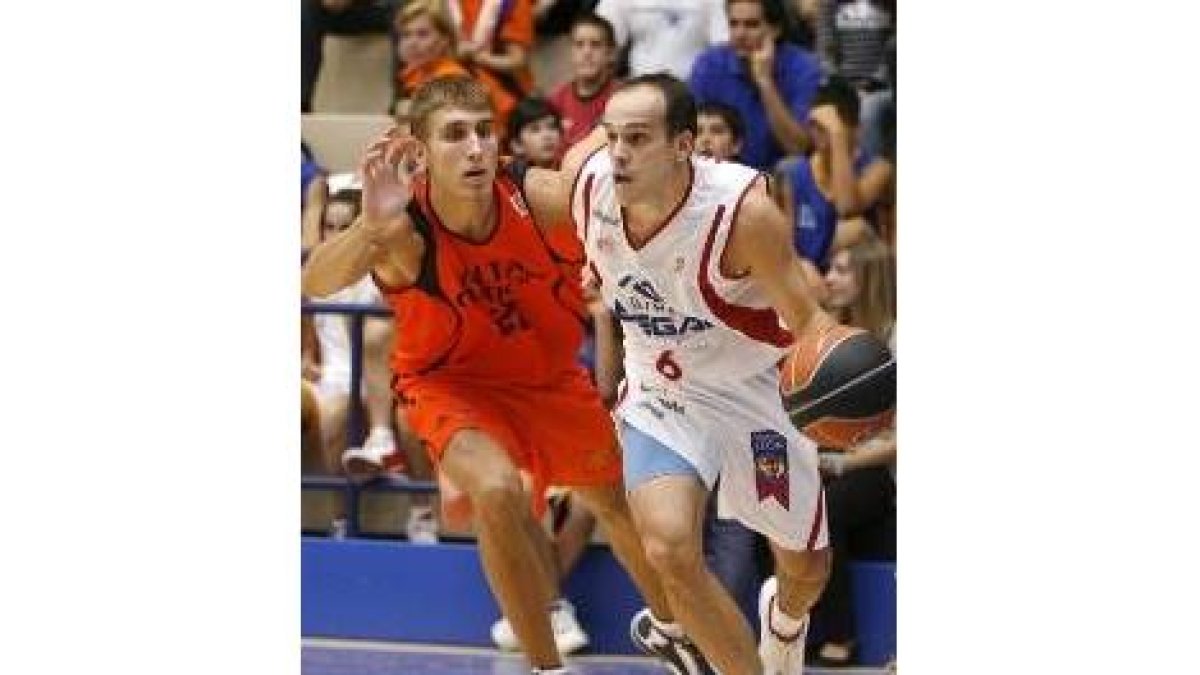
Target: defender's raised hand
388, 169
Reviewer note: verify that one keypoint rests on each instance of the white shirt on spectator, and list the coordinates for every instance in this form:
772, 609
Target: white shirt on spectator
333, 334
666, 34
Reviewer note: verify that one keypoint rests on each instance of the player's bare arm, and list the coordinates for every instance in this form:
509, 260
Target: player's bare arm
761, 245
382, 239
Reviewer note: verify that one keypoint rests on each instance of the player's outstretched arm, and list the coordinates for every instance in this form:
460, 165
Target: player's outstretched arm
761, 245
382, 238
549, 191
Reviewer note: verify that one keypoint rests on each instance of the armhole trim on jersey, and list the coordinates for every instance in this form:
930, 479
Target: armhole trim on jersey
737, 207
587, 191
761, 325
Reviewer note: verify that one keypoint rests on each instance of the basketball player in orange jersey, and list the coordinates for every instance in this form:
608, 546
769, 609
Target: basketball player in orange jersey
696, 260
485, 354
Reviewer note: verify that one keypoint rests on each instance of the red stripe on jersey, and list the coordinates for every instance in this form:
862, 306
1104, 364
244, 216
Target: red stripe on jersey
757, 324
818, 521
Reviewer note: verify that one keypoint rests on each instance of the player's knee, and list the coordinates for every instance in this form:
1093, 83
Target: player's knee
812, 571
676, 557
499, 497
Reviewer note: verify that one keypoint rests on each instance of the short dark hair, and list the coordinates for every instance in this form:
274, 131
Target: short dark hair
681, 105
593, 19
529, 110
773, 11
838, 92
730, 115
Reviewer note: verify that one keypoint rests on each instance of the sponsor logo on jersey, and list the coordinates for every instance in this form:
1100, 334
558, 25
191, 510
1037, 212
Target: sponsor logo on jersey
769, 448
662, 398
497, 285
644, 306
606, 218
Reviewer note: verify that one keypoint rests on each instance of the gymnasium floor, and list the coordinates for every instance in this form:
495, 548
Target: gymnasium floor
353, 657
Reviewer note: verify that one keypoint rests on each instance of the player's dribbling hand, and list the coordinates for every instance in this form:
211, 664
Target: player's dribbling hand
388, 169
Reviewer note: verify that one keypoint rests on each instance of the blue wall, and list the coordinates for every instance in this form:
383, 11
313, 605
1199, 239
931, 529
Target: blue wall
390, 590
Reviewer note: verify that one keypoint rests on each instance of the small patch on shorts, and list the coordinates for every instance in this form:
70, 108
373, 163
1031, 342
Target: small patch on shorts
770, 465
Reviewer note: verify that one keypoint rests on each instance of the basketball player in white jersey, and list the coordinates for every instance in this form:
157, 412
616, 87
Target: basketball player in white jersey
696, 260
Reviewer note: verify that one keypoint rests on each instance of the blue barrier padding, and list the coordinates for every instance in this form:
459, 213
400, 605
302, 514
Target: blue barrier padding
874, 585
387, 590
390, 590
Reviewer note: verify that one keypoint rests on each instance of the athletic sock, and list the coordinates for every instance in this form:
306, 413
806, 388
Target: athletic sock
784, 625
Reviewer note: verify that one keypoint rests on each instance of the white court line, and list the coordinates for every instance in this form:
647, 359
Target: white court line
417, 648
457, 650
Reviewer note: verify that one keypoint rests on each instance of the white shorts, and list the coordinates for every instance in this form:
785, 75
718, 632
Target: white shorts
768, 469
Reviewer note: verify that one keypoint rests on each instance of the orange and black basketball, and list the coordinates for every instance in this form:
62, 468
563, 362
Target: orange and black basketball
841, 388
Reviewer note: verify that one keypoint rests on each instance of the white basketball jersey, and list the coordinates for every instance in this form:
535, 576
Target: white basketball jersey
702, 350
690, 332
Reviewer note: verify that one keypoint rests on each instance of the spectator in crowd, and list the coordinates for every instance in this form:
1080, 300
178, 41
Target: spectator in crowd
328, 368
665, 35
427, 46
458, 252
497, 37
769, 82
860, 483
853, 39
581, 99
338, 17
823, 194
310, 172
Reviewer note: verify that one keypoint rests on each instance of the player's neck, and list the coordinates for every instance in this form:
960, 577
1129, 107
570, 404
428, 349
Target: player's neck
587, 88
468, 214
651, 212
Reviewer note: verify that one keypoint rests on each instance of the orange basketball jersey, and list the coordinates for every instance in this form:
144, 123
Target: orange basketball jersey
493, 312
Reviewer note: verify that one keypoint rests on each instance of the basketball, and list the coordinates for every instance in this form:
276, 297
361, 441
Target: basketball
841, 389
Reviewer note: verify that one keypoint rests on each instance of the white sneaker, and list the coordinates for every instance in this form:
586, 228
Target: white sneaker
422, 526
568, 634
780, 655
377, 453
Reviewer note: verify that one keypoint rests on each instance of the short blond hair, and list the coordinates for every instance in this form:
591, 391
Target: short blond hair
438, 15
454, 91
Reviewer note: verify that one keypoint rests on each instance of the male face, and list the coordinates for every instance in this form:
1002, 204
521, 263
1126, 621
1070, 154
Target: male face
715, 138
748, 27
591, 54
539, 141
644, 157
339, 214
461, 150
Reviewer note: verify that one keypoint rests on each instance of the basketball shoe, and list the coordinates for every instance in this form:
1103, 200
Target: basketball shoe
780, 654
377, 453
569, 636
677, 653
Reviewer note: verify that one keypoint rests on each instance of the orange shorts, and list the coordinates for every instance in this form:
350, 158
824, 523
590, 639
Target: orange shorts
560, 436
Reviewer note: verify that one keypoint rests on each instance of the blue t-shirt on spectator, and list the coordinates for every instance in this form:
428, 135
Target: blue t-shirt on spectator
718, 75
816, 216
309, 169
